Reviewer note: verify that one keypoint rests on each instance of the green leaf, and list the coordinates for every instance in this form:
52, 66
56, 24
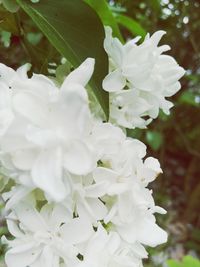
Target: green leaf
106, 15
3, 182
190, 98
134, 133
156, 6
8, 22
189, 261
11, 5
5, 38
34, 37
62, 71
154, 139
76, 31
133, 26
174, 263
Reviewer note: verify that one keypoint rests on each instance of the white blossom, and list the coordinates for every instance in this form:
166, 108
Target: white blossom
81, 196
47, 139
140, 79
44, 238
107, 250
125, 176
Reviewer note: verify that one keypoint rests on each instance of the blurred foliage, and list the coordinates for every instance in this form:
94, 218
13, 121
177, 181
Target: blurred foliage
187, 261
174, 139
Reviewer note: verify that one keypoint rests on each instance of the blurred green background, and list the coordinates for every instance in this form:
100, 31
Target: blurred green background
174, 139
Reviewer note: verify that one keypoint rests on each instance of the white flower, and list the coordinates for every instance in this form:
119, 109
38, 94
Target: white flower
8, 79
6, 115
121, 157
107, 139
49, 134
44, 238
106, 250
128, 108
17, 194
86, 198
142, 228
139, 80
56, 150
125, 176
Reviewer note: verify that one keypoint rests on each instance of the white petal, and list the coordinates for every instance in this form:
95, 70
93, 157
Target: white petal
174, 78
113, 47
153, 164
78, 158
19, 193
6, 118
80, 75
30, 217
24, 159
31, 106
55, 215
98, 208
72, 111
155, 38
6, 74
149, 233
114, 81
22, 71
47, 174
96, 190
23, 255
13, 227
139, 251
47, 257
104, 174
125, 206
113, 243
118, 188
77, 231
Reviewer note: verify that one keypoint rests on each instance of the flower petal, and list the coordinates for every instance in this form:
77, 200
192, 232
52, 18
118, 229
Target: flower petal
22, 255
77, 231
80, 75
78, 158
47, 174
114, 81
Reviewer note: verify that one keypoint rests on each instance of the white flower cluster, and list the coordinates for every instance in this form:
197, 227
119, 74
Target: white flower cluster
80, 196
139, 80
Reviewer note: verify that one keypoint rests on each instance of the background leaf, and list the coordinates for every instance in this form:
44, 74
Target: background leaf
76, 32
106, 15
189, 261
7, 21
133, 26
154, 139
174, 263
11, 5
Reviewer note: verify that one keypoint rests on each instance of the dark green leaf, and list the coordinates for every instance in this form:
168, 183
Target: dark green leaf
134, 133
11, 5
133, 26
76, 32
155, 4
8, 22
104, 12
